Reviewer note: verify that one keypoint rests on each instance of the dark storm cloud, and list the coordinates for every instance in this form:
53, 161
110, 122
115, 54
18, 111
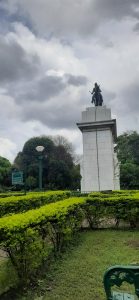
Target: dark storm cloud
11, 12
136, 27
62, 113
49, 86
116, 9
59, 18
76, 80
43, 89
53, 116
131, 98
15, 63
56, 111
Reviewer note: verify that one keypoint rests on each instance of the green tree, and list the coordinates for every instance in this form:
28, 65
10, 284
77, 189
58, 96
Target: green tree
27, 160
5, 172
76, 177
59, 176
58, 164
128, 155
31, 182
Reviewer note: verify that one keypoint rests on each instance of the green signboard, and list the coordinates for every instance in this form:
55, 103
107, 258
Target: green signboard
17, 177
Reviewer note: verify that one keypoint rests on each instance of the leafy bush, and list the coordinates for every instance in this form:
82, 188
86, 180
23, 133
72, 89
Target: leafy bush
29, 237
22, 203
24, 250
26, 237
10, 194
120, 207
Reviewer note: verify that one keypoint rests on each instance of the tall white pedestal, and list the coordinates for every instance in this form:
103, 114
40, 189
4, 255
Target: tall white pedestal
99, 168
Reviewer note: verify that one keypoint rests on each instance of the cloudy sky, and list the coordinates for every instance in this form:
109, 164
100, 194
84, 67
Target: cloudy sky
51, 53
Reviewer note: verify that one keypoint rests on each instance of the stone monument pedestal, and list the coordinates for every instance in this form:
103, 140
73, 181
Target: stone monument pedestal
99, 167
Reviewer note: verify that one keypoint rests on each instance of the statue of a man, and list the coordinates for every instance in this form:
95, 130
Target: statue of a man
97, 98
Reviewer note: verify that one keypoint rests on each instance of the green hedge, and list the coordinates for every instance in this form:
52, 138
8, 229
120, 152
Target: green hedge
118, 193
122, 207
35, 217
29, 237
9, 194
23, 203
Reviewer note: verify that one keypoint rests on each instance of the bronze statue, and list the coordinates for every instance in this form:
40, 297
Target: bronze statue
97, 98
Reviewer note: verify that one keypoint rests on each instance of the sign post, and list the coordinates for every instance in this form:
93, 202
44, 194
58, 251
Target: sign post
17, 177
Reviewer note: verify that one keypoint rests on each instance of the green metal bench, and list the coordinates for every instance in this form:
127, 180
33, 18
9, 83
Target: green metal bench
116, 275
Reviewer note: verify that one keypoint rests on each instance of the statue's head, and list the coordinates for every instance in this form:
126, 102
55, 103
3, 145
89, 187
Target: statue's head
95, 83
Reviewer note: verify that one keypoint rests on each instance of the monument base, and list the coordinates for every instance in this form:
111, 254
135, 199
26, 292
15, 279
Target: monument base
99, 167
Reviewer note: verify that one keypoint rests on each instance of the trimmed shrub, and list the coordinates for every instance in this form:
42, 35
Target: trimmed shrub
32, 234
122, 207
22, 203
9, 194
29, 237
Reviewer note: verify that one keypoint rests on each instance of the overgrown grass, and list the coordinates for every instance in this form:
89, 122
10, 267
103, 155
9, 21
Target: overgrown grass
78, 274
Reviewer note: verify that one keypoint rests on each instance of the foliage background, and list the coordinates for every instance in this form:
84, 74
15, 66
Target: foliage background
128, 154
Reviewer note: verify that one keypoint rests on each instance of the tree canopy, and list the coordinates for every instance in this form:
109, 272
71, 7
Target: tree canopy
5, 169
59, 170
128, 155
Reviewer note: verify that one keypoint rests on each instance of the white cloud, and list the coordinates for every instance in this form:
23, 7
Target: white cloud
72, 18
7, 148
42, 66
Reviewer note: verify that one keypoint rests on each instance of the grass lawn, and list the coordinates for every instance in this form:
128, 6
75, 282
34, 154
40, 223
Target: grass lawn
79, 273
